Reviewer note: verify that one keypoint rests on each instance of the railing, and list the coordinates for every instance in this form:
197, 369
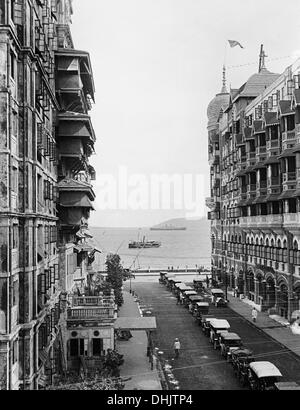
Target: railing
91, 313
262, 184
291, 218
289, 176
272, 219
274, 181
288, 135
251, 187
93, 301
261, 150
297, 129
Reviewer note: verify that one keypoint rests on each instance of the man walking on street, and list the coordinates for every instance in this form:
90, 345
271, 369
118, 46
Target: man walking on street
254, 314
178, 299
177, 347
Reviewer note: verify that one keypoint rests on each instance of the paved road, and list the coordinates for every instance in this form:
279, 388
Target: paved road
200, 367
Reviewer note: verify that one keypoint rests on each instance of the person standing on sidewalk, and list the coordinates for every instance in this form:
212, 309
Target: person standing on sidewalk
178, 299
177, 347
254, 314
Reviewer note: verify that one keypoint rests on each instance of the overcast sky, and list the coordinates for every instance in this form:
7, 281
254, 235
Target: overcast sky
157, 64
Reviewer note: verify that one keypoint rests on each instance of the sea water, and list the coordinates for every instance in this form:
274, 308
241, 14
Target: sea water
179, 249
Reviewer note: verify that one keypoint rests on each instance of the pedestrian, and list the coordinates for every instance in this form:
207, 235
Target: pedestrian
190, 307
178, 299
177, 347
181, 298
254, 314
207, 281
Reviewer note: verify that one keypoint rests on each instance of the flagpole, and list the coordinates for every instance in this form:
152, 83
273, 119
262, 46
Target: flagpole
225, 53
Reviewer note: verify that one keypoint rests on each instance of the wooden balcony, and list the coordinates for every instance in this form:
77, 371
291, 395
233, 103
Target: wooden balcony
91, 313
289, 176
273, 181
288, 135
87, 301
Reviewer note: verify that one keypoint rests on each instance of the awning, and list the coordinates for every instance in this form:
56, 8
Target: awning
239, 139
273, 197
297, 96
74, 129
287, 153
75, 200
272, 160
249, 169
271, 118
260, 200
285, 107
258, 127
296, 148
287, 194
259, 165
83, 248
248, 133
297, 193
241, 173
135, 323
242, 203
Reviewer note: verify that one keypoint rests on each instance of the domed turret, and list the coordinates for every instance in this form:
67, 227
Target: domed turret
221, 100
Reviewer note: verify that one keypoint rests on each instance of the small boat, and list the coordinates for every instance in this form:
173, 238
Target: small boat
143, 244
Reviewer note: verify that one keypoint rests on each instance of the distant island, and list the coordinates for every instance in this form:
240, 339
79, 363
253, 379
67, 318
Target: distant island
181, 224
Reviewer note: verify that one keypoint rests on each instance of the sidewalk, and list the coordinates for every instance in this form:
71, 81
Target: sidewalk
136, 363
278, 332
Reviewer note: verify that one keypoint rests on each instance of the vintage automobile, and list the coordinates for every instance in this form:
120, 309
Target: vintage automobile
263, 376
217, 326
228, 343
162, 277
287, 386
217, 297
200, 309
192, 299
172, 282
186, 294
205, 324
240, 360
198, 285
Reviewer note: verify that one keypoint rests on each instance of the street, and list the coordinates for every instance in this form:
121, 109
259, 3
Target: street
199, 366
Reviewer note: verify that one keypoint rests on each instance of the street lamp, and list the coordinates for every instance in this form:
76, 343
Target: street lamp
225, 281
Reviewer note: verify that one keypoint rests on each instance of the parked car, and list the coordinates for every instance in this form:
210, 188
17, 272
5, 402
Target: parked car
240, 360
217, 326
287, 386
205, 324
198, 285
201, 308
263, 376
228, 343
217, 297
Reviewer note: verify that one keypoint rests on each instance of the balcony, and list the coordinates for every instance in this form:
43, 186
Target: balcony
91, 313
291, 220
93, 301
251, 188
74, 80
288, 135
273, 144
289, 177
297, 131
273, 181
261, 150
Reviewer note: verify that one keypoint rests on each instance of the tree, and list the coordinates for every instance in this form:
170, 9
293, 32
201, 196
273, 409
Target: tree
115, 276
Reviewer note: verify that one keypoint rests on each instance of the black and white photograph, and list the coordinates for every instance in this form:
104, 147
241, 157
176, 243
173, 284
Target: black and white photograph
149, 198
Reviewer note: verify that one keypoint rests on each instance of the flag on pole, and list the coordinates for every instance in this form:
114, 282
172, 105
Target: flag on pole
234, 43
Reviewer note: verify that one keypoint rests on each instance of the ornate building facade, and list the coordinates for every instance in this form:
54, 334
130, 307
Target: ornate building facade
254, 157
46, 139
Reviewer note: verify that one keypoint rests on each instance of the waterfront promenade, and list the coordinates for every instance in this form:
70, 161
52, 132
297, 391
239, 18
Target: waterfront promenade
136, 363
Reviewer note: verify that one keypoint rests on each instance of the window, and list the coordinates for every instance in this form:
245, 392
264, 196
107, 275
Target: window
12, 10
97, 347
15, 232
12, 65
15, 352
76, 347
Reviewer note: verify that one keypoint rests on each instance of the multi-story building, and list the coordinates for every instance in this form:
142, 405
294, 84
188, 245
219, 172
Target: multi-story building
254, 155
46, 138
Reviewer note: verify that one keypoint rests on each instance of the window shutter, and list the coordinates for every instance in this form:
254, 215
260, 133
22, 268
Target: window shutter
56, 270
43, 283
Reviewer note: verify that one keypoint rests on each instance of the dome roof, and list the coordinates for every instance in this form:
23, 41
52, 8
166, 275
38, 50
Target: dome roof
221, 100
